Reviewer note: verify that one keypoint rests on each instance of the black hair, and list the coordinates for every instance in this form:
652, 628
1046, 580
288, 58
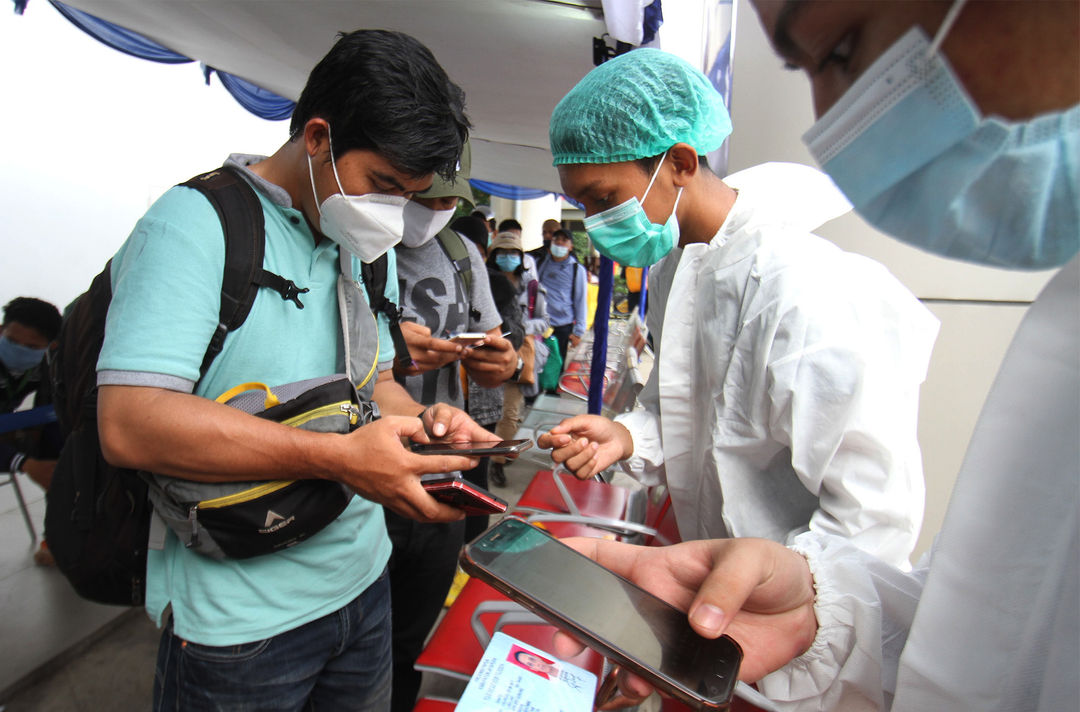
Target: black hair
649, 164
565, 234
509, 224
484, 218
472, 228
34, 313
384, 91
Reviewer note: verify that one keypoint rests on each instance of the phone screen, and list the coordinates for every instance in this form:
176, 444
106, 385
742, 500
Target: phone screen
475, 447
606, 611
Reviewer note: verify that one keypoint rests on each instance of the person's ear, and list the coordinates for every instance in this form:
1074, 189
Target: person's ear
316, 136
683, 159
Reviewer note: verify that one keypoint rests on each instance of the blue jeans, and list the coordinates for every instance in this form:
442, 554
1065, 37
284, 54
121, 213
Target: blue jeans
338, 662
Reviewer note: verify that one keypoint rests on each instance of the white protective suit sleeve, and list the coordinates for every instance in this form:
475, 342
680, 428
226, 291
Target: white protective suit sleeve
864, 609
646, 465
844, 398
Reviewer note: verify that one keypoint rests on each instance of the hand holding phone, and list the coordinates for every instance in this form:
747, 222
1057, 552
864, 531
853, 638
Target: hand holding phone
427, 352
468, 338
464, 495
632, 627
483, 448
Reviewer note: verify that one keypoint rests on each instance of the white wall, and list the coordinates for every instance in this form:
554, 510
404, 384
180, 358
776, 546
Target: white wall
531, 214
92, 137
770, 111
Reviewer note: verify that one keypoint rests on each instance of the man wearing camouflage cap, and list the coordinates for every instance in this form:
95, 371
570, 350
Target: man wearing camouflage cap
444, 290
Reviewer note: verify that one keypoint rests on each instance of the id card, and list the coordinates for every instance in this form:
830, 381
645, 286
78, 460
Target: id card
516, 677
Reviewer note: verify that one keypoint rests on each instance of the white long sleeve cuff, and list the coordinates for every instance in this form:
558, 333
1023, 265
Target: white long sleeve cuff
647, 462
864, 609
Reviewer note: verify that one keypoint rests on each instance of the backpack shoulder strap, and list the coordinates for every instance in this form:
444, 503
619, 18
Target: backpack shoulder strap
244, 226
374, 276
454, 247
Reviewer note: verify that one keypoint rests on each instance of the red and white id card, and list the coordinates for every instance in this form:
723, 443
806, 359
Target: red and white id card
516, 677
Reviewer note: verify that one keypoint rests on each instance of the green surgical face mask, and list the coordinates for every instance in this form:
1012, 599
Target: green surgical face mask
625, 233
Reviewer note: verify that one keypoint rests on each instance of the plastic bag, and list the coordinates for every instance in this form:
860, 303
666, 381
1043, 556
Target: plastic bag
549, 377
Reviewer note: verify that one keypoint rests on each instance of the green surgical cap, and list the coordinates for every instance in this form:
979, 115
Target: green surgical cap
638, 105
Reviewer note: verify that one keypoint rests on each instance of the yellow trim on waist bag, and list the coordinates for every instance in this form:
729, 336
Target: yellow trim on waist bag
375, 363
271, 399
245, 496
339, 408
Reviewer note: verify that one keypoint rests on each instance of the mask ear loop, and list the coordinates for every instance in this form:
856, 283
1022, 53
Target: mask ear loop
946, 25
333, 165
311, 172
314, 193
653, 179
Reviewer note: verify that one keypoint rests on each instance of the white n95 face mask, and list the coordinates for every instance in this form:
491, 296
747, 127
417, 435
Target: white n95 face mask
422, 223
366, 225
912, 152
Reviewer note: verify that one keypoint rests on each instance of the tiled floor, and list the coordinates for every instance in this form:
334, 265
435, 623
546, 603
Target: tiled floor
40, 616
80, 656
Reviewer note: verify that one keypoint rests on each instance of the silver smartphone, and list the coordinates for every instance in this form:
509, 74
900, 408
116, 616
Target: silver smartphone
615, 617
472, 448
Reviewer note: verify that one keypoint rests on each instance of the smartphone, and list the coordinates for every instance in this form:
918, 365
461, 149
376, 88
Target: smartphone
488, 346
464, 495
474, 447
468, 337
608, 613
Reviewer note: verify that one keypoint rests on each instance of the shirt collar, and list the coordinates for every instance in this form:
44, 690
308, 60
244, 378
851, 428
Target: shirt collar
242, 162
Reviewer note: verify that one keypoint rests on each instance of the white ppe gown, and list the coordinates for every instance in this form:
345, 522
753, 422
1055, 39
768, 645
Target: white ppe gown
786, 386
990, 619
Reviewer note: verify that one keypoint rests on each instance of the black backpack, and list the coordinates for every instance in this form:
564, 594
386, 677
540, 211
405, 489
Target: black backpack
97, 516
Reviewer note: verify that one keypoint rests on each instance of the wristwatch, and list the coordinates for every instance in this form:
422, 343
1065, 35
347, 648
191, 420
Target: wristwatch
517, 371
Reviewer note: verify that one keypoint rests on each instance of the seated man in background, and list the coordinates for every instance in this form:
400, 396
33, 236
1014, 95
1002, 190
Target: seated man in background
29, 327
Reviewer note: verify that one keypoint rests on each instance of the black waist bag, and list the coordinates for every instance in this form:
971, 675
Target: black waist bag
239, 520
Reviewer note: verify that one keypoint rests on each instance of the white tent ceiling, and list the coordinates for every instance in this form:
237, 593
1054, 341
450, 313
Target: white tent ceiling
514, 58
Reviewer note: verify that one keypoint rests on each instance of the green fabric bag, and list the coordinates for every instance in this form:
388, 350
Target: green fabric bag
549, 377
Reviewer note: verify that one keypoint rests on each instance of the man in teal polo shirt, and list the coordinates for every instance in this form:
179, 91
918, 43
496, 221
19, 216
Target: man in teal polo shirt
309, 626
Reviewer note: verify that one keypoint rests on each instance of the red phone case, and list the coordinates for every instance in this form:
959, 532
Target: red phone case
465, 496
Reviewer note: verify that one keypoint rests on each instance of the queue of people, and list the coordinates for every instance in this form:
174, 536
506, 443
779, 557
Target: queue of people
781, 412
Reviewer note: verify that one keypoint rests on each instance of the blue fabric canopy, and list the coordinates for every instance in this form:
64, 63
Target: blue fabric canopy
652, 18
512, 192
261, 102
118, 38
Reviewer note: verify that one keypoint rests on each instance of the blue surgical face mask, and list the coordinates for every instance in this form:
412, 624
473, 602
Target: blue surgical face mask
18, 359
559, 251
625, 233
507, 262
917, 160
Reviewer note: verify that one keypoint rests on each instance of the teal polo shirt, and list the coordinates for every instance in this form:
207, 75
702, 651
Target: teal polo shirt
166, 291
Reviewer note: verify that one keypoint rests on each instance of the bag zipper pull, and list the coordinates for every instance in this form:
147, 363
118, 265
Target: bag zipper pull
194, 521
352, 411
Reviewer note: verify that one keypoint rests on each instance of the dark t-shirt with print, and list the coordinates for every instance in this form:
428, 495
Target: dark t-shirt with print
432, 293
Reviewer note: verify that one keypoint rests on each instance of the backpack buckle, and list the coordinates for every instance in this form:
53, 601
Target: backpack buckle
291, 293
